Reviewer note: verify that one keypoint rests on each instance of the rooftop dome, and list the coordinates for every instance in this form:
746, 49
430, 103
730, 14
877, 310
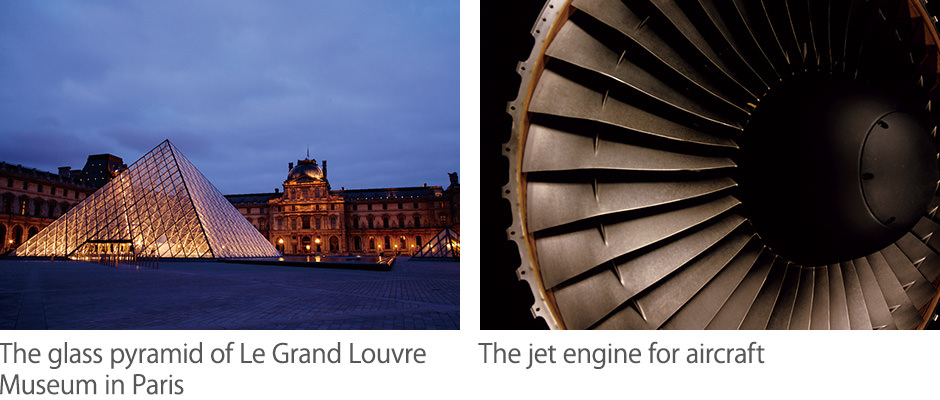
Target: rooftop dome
305, 170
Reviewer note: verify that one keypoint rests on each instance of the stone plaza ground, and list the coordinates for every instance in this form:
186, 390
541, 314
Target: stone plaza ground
43, 294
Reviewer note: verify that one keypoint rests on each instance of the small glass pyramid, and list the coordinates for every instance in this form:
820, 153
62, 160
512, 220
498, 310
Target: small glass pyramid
446, 244
161, 206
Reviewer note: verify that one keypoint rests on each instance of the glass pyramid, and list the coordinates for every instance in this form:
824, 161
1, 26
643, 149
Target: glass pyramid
446, 244
161, 206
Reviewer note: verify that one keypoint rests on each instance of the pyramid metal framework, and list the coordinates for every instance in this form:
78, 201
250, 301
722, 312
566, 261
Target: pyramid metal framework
160, 206
446, 244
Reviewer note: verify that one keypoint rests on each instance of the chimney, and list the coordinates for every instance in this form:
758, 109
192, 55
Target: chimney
276, 190
324, 169
425, 185
65, 171
290, 166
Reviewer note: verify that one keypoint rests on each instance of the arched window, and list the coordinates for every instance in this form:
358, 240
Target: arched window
334, 244
7, 203
418, 241
388, 242
17, 236
24, 205
305, 244
31, 232
402, 243
371, 243
3, 238
51, 209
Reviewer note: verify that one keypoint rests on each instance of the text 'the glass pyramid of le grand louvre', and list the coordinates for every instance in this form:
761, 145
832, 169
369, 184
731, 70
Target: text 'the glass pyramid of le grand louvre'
161, 206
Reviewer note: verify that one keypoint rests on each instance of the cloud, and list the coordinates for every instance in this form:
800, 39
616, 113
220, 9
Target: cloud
240, 87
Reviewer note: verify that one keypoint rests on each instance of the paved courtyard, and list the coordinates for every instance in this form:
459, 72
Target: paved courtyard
213, 295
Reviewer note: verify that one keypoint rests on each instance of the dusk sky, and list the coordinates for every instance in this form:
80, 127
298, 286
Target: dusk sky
240, 87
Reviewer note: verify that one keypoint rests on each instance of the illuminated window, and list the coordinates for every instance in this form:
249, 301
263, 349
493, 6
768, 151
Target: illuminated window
443, 220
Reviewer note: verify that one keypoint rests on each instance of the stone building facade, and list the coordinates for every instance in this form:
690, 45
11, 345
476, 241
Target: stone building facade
31, 199
309, 217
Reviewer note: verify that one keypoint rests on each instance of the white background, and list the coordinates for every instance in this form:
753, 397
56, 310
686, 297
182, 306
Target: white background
797, 364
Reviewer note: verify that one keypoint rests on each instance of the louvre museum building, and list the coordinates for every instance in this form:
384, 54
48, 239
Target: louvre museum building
309, 217
162, 206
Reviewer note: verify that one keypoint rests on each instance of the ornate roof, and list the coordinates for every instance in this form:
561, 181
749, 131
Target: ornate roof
306, 170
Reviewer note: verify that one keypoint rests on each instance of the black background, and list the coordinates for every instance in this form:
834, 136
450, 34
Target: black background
505, 40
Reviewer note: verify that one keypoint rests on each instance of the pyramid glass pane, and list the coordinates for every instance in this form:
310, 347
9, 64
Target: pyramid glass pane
160, 206
446, 244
